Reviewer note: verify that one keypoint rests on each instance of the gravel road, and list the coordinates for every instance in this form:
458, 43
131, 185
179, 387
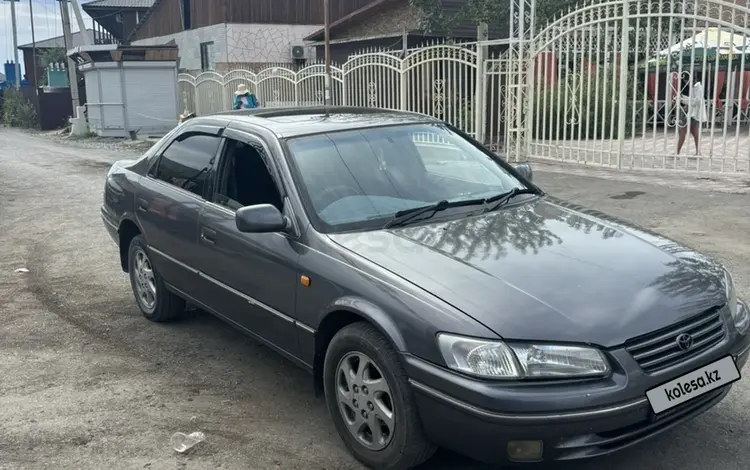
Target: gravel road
87, 383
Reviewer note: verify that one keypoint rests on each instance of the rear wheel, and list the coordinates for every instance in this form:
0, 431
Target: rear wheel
155, 301
371, 401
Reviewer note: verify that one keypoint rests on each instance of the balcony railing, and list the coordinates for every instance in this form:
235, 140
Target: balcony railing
101, 36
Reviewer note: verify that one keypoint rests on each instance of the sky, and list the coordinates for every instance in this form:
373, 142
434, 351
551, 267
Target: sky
47, 24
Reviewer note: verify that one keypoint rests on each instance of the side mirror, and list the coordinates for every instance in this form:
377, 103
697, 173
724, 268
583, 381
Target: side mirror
525, 170
261, 218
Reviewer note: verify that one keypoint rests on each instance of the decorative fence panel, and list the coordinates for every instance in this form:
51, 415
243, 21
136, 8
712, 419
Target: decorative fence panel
438, 80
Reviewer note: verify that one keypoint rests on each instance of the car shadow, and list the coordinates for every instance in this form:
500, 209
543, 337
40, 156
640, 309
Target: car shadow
442, 460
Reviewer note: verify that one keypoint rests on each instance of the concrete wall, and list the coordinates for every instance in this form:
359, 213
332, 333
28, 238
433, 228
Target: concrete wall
190, 42
266, 43
393, 20
245, 44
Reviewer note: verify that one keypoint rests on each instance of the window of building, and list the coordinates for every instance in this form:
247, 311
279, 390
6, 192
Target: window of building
208, 57
187, 161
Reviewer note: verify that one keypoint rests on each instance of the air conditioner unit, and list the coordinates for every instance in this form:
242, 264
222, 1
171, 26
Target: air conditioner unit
298, 52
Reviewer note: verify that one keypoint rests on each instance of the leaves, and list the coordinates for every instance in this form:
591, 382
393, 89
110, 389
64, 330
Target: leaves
18, 111
493, 12
54, 55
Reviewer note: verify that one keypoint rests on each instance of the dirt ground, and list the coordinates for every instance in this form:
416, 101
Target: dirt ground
87, 383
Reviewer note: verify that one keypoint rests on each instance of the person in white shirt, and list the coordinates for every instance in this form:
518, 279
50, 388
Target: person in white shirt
692, 112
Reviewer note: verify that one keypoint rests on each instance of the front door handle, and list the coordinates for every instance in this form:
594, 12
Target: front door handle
142, 204
208, 235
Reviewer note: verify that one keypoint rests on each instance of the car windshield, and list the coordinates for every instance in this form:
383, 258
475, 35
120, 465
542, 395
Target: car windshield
360, 179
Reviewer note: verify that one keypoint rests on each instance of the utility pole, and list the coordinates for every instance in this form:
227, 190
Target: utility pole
34, 68
33, 52
15, 42
72, 75
326, 22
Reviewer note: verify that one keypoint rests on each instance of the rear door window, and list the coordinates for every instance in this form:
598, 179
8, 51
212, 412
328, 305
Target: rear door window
186, 163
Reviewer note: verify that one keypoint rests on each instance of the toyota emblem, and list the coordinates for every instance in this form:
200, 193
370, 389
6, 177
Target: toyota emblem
684, 341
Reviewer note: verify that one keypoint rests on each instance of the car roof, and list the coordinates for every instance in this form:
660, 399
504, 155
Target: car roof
299, 121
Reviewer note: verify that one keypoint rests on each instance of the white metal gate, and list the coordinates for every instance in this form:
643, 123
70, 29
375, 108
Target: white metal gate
626, 83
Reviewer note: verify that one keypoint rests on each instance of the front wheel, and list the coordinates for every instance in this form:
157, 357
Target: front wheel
371, 402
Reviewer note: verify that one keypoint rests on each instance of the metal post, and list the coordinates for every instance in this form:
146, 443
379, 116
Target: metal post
123, 98
73, 76
326, 21
520, 82
624, 46
403, 80
479, 102
530, 79
15, 43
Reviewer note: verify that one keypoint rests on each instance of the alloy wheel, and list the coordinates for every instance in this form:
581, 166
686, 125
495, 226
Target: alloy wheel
365, 401
145, 283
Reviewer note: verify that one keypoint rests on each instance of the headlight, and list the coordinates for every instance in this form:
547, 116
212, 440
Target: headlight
740, 315
500, 360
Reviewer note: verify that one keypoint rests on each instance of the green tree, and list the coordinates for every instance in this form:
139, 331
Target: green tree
18, 111
54, 55
492, 12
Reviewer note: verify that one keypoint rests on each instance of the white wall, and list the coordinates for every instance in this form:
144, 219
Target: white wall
190, 41
253, 43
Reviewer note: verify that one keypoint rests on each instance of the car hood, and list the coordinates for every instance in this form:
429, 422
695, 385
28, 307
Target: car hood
549, 270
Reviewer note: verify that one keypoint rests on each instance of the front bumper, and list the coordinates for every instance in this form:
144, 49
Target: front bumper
463, 419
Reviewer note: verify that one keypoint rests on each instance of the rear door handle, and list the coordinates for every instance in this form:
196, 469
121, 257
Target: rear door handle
208, 235
142, 204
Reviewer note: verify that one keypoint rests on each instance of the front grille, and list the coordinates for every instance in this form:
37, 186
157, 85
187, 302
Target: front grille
659, 349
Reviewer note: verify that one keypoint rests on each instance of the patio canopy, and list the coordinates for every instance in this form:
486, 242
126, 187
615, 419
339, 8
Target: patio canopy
712, 47
713, 39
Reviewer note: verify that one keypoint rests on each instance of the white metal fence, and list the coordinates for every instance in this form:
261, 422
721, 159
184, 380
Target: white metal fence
608, 83
439, 80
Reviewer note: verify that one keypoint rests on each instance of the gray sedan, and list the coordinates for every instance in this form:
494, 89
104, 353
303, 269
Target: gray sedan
436, 295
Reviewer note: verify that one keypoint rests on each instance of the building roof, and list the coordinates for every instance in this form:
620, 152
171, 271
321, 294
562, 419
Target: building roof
465, 29
140, 4
352, 17
59, 41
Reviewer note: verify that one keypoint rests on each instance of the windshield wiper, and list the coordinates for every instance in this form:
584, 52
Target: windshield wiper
404, 216
502, 199
401, 217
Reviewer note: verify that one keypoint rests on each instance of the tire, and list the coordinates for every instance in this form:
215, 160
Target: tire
406, 445
165, 306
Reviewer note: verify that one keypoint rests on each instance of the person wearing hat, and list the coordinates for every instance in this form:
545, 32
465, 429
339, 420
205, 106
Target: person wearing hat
243, 99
